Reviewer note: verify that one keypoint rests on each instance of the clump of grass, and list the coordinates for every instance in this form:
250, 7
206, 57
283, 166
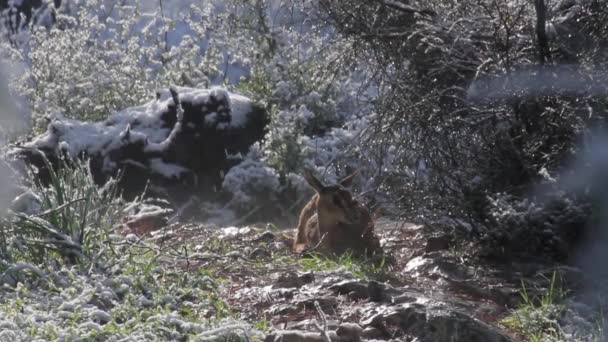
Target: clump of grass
75, 221
117, 287
73, 228
360, 268
537, 316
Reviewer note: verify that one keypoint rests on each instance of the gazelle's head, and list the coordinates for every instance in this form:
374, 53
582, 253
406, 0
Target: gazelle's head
335, 203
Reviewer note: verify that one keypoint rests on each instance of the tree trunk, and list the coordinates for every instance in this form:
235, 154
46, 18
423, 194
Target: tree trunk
541, 34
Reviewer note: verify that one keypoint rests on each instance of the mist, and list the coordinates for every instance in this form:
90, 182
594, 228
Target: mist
564, 80
585, 177
582, 177
14, 122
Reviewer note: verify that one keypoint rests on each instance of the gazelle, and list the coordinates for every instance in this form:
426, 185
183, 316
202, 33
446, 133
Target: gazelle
332, 222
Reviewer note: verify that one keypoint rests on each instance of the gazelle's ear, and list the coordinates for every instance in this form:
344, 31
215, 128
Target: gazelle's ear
313, 181
348, 180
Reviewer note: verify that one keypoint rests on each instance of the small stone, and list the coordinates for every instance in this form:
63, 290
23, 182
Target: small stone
293, 280
260, 253
374, 320
437, 243
372, 333
308, 324
325, 302
266, 236
101, 316
298, 336
284, 309
349, 332
101, 301
355, 290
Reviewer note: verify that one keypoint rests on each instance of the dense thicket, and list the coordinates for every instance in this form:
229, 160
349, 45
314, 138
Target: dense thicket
488, 103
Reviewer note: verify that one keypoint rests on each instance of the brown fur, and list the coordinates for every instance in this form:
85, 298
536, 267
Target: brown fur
334, 222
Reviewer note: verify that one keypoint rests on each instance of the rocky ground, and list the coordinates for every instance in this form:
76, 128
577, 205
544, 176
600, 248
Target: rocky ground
434, 291
198, 282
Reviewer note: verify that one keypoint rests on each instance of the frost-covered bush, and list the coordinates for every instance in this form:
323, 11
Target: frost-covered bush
308, 81
317, 94
550, 225
252, 183
102, 56
475, 101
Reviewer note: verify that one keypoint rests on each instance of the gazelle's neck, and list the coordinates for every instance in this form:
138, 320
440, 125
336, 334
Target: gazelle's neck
326, 222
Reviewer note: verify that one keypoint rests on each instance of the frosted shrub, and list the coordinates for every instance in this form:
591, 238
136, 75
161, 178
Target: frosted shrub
103, 56
305, 76
252, 183
526, 226
466, 95
314, 92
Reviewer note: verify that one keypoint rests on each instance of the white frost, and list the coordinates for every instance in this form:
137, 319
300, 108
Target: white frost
142, 122
167, 170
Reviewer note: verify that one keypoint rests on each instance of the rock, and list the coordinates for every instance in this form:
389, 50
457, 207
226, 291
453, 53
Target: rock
349, 332
235, 232
372, 333
309, 324
372, 290
578, 320
302, 302
260, 253
504, 295
293, 280
437, 243
179, 143
101, 316
327, 279
327, 303
375, 320
381, 292
147, 221
407, 297
299, 336
266, 236
284, 309
581, 309
376, 291
437, 265
346, 332
355, 289
440, 323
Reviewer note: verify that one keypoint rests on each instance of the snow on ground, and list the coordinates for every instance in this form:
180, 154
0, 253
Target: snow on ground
168, 170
